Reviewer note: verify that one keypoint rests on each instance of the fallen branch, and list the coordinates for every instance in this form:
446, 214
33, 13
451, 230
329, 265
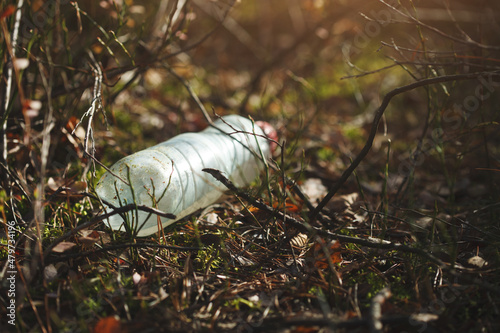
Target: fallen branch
376, 325
371, 243
306, 227
276, 322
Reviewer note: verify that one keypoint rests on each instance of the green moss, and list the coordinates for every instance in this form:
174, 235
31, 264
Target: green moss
326, 154
209, 258
354, 134
240, 303
375, 281
127, 128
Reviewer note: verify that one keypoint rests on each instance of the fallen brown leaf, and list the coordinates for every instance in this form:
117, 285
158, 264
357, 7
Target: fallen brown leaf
109, 325
63, 247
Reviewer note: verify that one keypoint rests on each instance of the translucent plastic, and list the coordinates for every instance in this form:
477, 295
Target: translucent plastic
169, 176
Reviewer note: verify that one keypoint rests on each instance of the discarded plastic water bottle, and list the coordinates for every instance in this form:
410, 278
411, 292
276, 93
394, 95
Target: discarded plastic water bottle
169, 176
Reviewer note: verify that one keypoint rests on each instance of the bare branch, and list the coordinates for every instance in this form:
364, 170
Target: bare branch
192, 94
376, 325
467, 39
373, 131
95, 105
11, 48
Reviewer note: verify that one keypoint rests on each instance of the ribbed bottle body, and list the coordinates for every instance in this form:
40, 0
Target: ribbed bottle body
169, 176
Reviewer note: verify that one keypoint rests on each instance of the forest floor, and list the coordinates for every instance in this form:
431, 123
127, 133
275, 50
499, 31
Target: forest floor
390, 109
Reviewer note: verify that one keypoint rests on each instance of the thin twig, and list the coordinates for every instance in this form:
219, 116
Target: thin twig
237, 131
96, 105
97, 219
108, 169
204, 38
304, 226
277, 322
123, 246
376, 325
4, 107
467, 41
373, 131
192, 93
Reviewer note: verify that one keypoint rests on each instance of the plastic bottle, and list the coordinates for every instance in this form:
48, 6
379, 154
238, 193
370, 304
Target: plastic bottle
169, 176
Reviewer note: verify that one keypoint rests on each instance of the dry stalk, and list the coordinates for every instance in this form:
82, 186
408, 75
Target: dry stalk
374, 128
97, 219
11, 43
376, 325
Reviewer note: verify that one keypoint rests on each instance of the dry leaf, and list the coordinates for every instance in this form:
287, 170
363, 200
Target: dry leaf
162, 293
314, 189
320, 259
108, 325
9, 10
52, 185
211, 218
71, 188
424, 317
50, 273
477, 261
289, 206
78, 186
299, 241
136, 277
90, 237
374, 187
63, 247
23, 63
31, 108
342, 202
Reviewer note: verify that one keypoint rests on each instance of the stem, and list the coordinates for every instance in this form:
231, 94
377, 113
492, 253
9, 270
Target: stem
373, 131
8, 85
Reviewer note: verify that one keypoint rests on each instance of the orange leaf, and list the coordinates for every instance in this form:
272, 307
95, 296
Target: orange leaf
305, 329
120, 261
8, 11
317, 252
108, 325
290, 207
253, 209
71, 124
